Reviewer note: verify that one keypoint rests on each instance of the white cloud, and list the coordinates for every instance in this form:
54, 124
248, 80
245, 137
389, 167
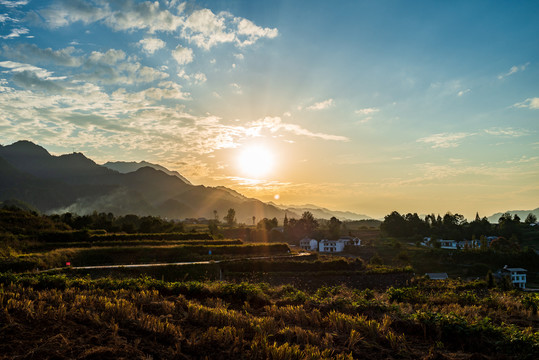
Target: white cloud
196, 78
322, 105
275, 124
205, 29
65, 12
367, 111
530, 103
151, 45
14, 3
143, 15
15, 33
253, 32
201, 27
236, 88
239, 56
462, 92
182, 55
366, 114
32, 53
110, 57
444, 140
513, 70
19, 67
200, 78
510, 132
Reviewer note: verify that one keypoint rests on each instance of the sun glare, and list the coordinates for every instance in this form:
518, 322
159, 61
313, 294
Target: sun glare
255, 161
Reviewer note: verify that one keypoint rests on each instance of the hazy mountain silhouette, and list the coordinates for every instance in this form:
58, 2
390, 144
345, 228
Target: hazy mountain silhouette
75, 183
125, 167
321, 212
522, 214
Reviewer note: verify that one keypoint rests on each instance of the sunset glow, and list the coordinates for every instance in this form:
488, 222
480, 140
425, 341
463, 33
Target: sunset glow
256, 161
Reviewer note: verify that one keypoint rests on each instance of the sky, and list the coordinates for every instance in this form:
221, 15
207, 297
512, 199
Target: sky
364, 106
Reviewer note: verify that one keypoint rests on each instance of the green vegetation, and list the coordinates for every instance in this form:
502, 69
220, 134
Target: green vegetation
148, 318
256, 300
125, 255
455, 227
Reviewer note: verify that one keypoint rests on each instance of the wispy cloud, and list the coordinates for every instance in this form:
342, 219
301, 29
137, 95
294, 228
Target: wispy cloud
17, 67
65, 12
366, 114
462, 92
530, 103
508, 132
14, 3
31, 53
236, 88
322, 105
513, 70
15, 33
275, 124
444, 140
450, 140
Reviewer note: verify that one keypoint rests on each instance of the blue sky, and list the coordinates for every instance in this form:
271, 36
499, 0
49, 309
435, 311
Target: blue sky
368, 106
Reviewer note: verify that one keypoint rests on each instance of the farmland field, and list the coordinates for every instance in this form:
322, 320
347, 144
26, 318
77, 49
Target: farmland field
56, 316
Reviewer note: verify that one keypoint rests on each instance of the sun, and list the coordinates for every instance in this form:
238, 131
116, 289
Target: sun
256, 161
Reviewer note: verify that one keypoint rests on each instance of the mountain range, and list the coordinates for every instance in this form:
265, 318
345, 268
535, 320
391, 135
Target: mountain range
125, 167
75, 183
522, 214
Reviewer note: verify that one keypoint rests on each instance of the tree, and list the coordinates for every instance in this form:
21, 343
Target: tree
267, 224
309, 222
490, 280
213, 227
334, 228
508, 226
502, 244
395, 225
230, 217
530, 219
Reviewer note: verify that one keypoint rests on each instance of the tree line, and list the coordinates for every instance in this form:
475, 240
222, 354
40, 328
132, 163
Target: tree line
453, 226
17, 221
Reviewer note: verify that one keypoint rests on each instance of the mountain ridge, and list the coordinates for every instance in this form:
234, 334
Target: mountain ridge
131, 166
75, 183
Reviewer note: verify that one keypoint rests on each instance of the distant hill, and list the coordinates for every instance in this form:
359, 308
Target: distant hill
522, 214
125, 167
323, 213
75, 183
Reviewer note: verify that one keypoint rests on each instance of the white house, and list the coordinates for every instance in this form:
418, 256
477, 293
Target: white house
448, 244
518, 276
337, 245
308, 244
437, 276
351, 240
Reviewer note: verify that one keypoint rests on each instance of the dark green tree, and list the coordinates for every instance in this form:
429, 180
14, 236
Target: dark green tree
334, 227
530, 219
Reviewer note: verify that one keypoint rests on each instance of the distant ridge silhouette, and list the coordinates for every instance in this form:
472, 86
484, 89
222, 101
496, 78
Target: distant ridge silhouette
75, 183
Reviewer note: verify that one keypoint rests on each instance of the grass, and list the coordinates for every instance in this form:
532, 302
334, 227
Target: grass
118, 255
